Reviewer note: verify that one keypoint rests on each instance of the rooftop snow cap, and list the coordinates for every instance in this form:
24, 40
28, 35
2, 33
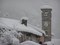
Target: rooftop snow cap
24, 20
46, 7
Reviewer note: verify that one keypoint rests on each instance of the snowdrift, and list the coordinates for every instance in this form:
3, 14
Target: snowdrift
29, 43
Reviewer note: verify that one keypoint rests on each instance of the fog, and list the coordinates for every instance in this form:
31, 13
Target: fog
32, 9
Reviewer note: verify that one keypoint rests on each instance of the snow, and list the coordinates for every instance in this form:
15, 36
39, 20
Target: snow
8, 22
9, 40
24, 18
15, 41
15, 24
3, 25
27, 29
46, 7
49, 43
53, 42
52, 34
29, 43
56, 41
10, 37
38, 29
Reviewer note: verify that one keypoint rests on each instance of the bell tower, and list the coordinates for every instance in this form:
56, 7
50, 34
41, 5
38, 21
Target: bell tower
46, 21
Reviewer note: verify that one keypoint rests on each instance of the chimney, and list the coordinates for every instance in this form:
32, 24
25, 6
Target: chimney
24, 20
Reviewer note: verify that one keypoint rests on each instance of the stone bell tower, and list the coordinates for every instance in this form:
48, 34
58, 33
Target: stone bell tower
46, 21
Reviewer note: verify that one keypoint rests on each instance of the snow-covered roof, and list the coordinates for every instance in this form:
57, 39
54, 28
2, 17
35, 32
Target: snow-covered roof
24, 18
15, 24
38, 29
46, 7
27, 29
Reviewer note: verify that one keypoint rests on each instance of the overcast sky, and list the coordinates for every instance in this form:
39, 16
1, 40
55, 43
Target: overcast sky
31, 9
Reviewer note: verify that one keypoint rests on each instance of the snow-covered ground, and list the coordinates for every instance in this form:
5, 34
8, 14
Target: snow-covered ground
56, 41
29, 43
53, 42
